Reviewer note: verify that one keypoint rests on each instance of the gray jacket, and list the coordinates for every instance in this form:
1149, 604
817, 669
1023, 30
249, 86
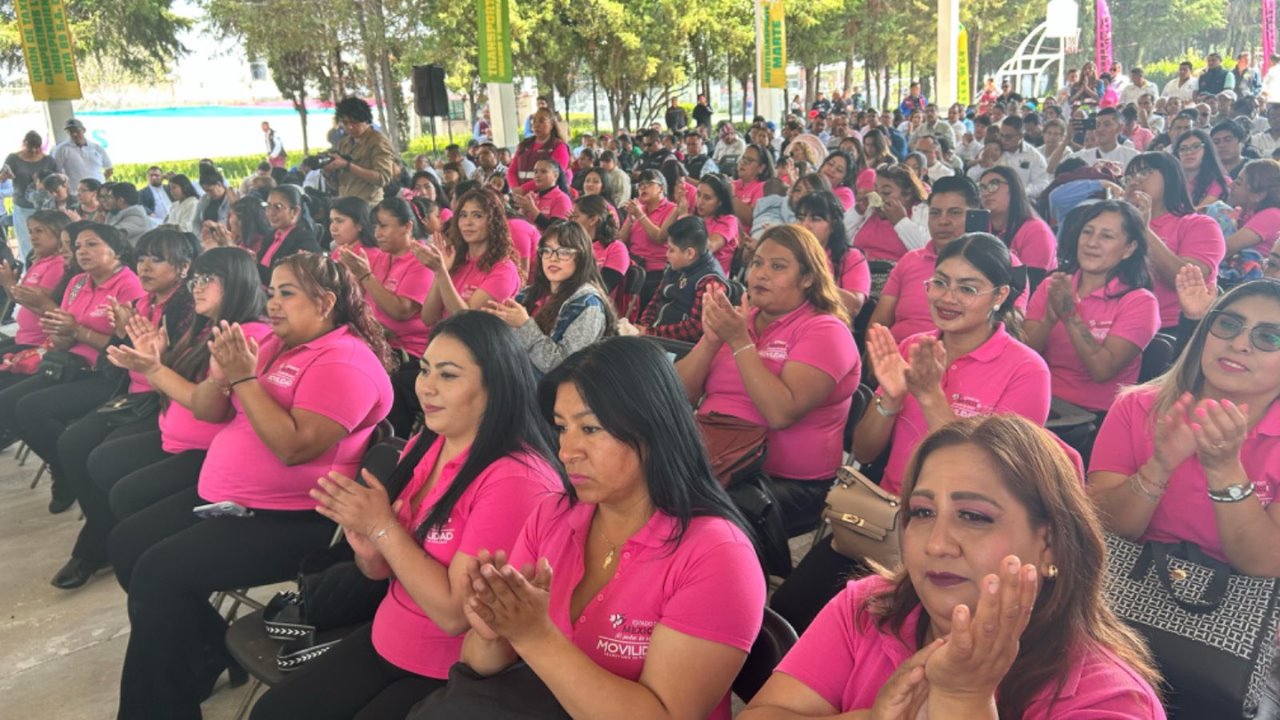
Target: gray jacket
132, 222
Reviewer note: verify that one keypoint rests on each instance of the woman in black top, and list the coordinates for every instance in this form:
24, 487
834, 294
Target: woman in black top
292, 228
25, 167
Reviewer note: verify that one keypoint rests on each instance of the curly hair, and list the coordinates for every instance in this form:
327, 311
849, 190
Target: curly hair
498, 233
318, 274
597, 206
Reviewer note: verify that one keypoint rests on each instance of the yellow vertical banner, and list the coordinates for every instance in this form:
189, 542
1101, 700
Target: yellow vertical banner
773, 45
962, 67
47, 49
494, 40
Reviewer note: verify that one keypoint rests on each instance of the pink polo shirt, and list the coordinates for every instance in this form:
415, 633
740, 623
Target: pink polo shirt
854, 274
879, 241
553, 203
138, 382
488, 515
748, 192
906, 283
1194, 236
653, 255
1134, 316
1001, 375
501, 281
45, 274
90, 304
180, 431
242, 469
690, 194
726, 226
613, 256
406, 277
1035, 245
524, 237
276, 241
710, 586
1267, 225
812, 447
1126, 441
845, 658
845, 196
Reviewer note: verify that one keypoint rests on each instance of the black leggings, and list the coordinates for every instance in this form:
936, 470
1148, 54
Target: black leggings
350, 681
83, 440
38, 410
821, 574
405, 406
169, 562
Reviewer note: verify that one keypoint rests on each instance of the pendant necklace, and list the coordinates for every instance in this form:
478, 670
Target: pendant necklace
613, 550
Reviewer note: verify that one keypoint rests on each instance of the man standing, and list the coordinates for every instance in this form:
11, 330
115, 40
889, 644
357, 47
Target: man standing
677, 119
1026, 160
1271, 81
1137, 87
695, 157
1215, 78
275, 146
77, 158
1267, 142
154, 197
1183, 87
913, 101
702, 112
363, 164
1248, 82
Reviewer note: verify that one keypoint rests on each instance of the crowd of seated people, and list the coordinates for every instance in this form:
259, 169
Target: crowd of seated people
564, 514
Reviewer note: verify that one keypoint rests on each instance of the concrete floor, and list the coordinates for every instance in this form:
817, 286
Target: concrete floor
60, 651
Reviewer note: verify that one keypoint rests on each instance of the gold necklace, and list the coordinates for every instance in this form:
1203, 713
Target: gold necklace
613, 550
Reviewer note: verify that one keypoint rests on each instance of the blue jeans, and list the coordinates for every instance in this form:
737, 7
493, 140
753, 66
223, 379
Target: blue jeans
20, 215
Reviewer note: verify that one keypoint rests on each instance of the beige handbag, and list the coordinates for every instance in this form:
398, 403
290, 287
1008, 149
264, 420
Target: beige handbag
863, 520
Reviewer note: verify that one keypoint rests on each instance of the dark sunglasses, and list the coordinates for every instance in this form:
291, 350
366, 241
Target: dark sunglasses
1228, 326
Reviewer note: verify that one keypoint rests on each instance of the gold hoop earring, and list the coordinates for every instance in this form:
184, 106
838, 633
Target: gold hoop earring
1051, 572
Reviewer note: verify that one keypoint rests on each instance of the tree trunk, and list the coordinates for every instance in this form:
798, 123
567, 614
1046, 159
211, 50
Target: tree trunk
302, 115
975, 66
810, 86
888, 87
370, 60
866, 81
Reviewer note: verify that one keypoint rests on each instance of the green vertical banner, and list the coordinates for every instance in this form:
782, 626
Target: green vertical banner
494, 31
47, 49
773, 45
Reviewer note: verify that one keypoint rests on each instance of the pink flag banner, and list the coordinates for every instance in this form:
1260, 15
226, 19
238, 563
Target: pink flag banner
1102, 35
1268, 32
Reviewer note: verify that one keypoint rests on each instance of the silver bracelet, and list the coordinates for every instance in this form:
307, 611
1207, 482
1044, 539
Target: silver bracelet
380, 534
744, 348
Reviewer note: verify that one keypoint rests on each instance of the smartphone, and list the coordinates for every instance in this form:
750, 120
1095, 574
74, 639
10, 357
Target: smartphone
225, 508
1090, 123
977, 221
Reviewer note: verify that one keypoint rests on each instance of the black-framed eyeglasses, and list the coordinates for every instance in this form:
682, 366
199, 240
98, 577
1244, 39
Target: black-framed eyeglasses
560, 253
1228, 326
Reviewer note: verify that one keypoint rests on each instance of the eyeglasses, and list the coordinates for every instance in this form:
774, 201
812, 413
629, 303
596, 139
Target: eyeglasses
1228, 326
965, 295
991, 186
1190, 148
201, 280
277, 206
560, 253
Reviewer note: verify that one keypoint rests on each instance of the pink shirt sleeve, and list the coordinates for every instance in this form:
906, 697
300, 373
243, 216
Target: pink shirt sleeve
1039, 302
561, 156
617, 258
1138, 319
349, 408
893, 284
1028, 393
416, 283
1035, 245
1114, 450
503, 503
855, 276
1267, 225
1200, 238
845, 196
502, 282
823, 658
826, 345
700, 608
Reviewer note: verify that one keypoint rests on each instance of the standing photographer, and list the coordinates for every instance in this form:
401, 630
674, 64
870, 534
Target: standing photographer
362, 166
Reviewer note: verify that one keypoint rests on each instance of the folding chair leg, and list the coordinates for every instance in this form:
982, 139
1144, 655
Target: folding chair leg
247, 703
21, 454
39, 473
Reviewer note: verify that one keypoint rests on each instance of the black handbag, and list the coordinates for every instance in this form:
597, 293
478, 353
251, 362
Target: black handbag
516, 693
754, 498
63, 366
131, 408
1212, 631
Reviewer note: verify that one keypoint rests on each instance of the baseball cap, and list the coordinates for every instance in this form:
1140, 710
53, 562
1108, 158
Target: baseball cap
73, 124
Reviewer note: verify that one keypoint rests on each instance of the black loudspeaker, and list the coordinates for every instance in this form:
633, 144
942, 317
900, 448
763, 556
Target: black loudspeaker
430, 98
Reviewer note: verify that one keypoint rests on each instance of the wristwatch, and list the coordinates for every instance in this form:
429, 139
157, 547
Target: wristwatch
880, 408
1231, 493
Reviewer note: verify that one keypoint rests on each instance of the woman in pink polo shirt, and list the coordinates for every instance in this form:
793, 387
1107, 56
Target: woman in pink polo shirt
302, 403
841, 171
714, 204
395, 285
549, 201
39, 408
755, 167
645, 228
645, 576
1092, 321
1014, 220
1194, 455
546, 142
1176, 233
292, 230
996, 533
821, 214
898, 224
473, 261
351, 227
483, 464
1256, 192
34, 293
599, 220
785, 361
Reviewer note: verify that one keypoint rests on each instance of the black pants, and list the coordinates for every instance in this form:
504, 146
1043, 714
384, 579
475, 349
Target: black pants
801, 503
169, 562
405, 407
140, 489
350, 681
811, 585
78, 443
38, 410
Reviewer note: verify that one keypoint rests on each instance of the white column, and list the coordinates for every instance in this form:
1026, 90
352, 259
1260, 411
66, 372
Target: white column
57, 113
771, 102
502, 115
948, 47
